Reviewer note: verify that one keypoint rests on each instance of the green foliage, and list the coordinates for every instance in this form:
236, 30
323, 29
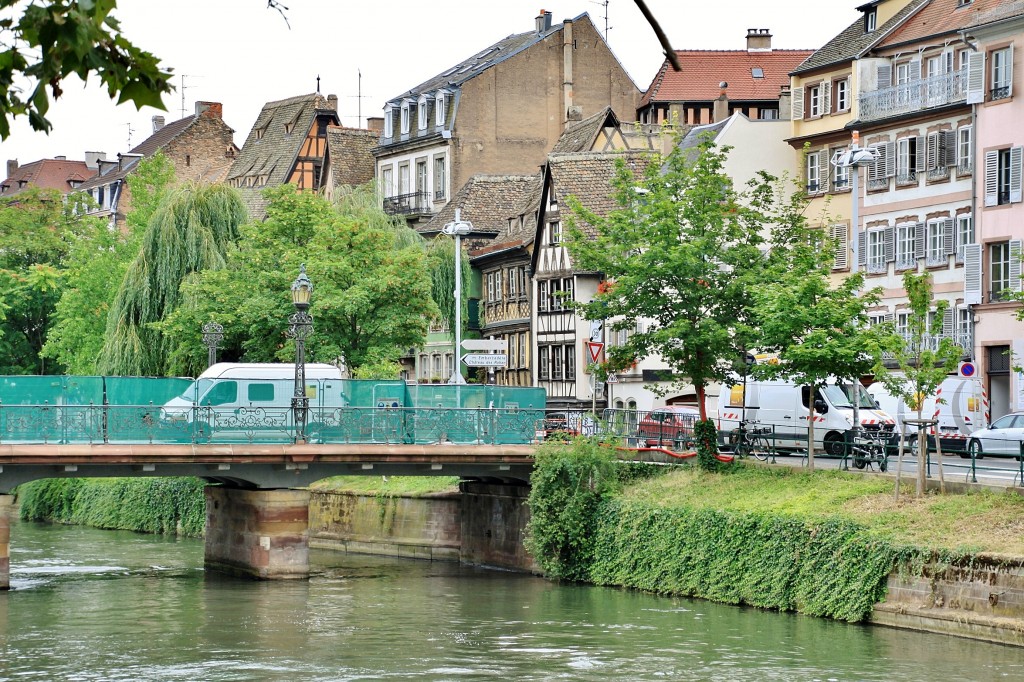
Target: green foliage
567, 486
390, 486
170, 506
441, 259
189, 232
55, 39
706, 436
380, 363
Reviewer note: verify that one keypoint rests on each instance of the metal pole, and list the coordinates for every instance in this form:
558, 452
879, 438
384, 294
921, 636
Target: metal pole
301, 326
456, 377
213, 334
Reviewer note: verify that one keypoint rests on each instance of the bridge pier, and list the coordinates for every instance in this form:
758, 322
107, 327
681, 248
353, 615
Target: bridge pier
6, 509
261, 534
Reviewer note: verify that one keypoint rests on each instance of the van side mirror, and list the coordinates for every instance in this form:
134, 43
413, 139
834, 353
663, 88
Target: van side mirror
820, 406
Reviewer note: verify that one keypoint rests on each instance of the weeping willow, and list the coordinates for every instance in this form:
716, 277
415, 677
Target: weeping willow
362, 204
441, 257
188, 232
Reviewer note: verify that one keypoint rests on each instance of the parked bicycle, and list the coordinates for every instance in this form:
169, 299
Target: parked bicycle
748, 439
867, 449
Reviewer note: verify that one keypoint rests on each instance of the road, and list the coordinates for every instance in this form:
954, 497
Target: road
1003, 471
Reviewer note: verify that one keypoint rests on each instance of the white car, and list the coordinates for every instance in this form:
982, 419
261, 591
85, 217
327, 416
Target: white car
1003, 438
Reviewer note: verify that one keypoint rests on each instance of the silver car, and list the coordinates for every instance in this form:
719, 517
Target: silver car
1002, 438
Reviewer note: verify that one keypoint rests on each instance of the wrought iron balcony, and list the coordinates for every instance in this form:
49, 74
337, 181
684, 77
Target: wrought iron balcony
963, 338
408, 204
906, 98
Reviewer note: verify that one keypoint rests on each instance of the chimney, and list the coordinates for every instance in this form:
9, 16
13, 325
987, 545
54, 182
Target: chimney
375, 123
158, 123
332, 102
12, 167
574, 113
785, 103
92, 159
60, 158
543, 21
759, 40
211, 109
721, 110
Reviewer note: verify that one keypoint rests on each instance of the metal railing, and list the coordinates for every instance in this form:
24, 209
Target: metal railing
964, 339
905, 98
405, 204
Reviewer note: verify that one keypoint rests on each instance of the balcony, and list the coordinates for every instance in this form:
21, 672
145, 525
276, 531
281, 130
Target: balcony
413, 203
963, 338
907, 98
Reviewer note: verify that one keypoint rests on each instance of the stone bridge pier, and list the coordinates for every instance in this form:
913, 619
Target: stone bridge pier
261, 534
6, 509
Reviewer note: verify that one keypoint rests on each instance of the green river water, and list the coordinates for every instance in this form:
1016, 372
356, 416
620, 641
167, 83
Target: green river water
100, 605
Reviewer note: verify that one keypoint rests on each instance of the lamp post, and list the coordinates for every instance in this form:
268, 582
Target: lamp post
213, 334
457, 228
301, 326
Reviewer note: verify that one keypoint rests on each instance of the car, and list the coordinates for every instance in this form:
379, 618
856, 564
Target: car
1001, 439
670, 426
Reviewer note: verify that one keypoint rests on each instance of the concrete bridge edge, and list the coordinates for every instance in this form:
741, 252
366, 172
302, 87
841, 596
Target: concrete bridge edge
6, 510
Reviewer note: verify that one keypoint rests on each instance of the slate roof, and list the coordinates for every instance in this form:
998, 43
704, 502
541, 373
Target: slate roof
703, 70
487, 201
1005, 10
579, 136
855, 41
688, 145
272, 147
945, 16
352, 161
55, 174
513, 234
588, 177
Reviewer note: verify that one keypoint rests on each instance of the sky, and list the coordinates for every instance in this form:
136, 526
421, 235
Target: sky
243, 53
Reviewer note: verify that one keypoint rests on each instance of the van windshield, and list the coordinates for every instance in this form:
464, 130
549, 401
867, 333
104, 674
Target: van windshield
839, 395
196, 390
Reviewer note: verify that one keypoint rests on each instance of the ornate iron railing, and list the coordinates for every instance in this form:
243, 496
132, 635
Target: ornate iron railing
406, 204
905, 98
964, 339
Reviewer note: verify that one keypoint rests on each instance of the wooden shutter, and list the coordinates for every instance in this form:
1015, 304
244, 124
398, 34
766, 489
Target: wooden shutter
798, 103
934, 153
890, 158
976, 78
920, 240
914, 70
947, 323
826, 97
890, 244
884, 76
949, 148
1015, 283
842, 247
862, 249
992, 178
919, 154
1016, 156
824, 170
1009, 72
876, 169
972, 274
949, 236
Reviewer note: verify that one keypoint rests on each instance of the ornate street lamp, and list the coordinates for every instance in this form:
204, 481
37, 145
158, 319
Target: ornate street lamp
213, 334
457, 228
301, 327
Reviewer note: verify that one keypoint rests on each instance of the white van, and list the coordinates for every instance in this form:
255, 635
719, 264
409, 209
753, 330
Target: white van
254, 398
960, 413
783, 407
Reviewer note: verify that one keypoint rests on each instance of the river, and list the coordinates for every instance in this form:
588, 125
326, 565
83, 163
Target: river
100, 605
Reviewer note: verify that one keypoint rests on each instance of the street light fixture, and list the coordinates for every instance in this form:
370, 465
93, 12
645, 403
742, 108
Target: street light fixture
213, 334
301, 327
457, 228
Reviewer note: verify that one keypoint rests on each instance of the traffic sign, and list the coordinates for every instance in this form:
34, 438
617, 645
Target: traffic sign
499, 345
612, 379
967, 369
594, 348
485, 359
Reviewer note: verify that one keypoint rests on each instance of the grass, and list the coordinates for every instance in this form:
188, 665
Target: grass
389, 485
974, 522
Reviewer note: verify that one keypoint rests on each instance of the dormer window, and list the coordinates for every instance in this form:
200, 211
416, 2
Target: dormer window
259, 132
870, 20
405, 118
389, 121
422, 110
440, 108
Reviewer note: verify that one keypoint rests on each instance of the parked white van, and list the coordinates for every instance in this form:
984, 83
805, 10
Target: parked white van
252, 397
783, 407
959, 413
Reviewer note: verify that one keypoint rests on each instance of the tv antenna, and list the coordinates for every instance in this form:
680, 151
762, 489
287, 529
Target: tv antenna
184, 88
359, 97
604, 3
130, 131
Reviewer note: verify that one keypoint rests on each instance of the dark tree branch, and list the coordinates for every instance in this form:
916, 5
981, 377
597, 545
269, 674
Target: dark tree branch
670, 54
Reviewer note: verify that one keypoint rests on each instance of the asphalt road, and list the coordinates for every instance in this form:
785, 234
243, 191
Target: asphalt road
992, 470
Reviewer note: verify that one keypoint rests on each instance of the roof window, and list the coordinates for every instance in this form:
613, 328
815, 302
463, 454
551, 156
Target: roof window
870, 20
757, 72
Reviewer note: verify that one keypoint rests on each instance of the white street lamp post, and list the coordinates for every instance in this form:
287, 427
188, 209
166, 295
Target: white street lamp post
457, 228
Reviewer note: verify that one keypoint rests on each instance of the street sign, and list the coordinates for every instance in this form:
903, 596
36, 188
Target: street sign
499, 345
612, 379
485, 359
967, 369
594, 349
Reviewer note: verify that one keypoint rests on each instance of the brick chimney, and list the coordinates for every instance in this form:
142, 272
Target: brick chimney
332, 102
158, 123
721, 109
759, 40
375, 123
211, 109
92, 159
543, 21
12, 167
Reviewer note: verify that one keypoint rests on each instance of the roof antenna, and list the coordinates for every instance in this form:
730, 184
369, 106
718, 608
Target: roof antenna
184, 88
129, 135
318, 84
605, 4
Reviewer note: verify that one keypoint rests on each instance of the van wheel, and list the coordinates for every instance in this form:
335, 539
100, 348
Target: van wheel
975, 451
834, 443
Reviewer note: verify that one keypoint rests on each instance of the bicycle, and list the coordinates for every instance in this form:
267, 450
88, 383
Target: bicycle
752, 441
867, 450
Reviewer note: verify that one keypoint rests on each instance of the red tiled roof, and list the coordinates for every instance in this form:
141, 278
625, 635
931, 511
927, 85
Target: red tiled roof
703, 70
48, 173
943, 16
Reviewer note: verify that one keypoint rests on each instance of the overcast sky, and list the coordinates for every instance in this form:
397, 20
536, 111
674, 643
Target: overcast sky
242, 53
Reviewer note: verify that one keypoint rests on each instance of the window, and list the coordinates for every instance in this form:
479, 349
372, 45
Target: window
556, 363
1003, 176
935, 248
421, 177
440, 106
424, 366
902, 73
876, 251
964, 328
439, 179
841, 94
906, 160
964, 234
422, 111
903, 324
870, 20
403, 179
814, 101
555, 294
905, 246
522, 349
542, 295
437, 365
875, 319
387, 182
544, 362
389, 121
1001, 73
405, 118
512, 356
962, 57
964, 154
555, 232
567, 289
813, 172
257, 393
757, 72
570, 362
841, 179
999, 259
765, 114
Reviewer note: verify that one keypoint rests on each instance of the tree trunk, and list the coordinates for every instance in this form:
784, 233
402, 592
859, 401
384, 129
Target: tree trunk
922, 449
810, 430
701, 393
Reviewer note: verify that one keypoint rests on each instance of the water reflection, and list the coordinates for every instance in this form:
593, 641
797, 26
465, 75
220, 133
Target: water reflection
93, 605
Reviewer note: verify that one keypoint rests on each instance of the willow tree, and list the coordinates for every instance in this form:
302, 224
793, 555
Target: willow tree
189, 232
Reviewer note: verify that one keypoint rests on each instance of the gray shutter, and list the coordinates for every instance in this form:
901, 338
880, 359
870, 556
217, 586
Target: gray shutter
920, 240
919, 154
884, 76
934, 154
877, 167
914, 70
992, 178
1015, 283
826, 98
888, 317
824, 170
949, 150
976, 78
947, 323
842, 247
862, 249
798, 104
1009, 72
1016, 156
890, 244
972, 274
949, 236
890, 159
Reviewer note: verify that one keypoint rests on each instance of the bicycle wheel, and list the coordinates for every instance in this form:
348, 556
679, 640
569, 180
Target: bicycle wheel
742, 448
760, 449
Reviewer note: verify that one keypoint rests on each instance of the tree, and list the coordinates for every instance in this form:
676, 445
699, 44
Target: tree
189, 232
923, 364
54, 39
95, 270
371, 296
677, 253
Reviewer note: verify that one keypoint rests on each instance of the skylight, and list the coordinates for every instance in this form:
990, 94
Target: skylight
757, 72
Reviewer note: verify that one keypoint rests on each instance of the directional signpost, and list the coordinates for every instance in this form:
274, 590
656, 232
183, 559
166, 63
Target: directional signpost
485, 359
499, 345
